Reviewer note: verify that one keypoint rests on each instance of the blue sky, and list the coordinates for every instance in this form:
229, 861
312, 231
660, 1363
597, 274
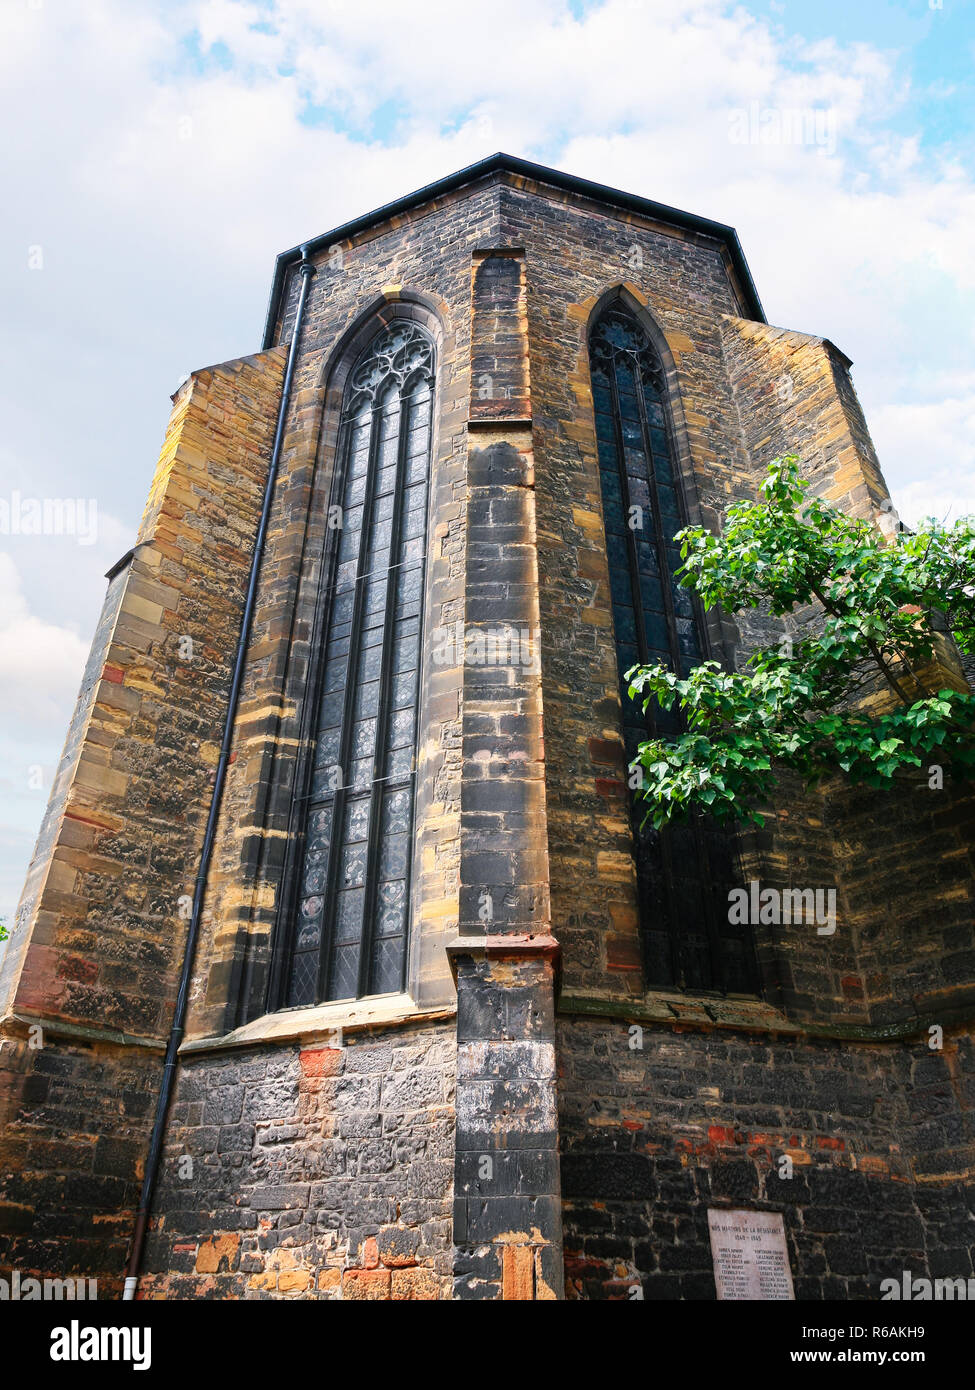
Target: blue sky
159, 154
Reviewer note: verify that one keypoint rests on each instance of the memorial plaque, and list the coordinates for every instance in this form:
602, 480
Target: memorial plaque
751, 1258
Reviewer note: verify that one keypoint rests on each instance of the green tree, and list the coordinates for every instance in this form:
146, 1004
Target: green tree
862, 614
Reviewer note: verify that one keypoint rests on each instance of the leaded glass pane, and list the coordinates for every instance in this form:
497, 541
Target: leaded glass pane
352, 905
388, 964
683, 873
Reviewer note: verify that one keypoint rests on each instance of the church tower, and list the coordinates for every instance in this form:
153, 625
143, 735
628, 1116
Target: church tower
343, 968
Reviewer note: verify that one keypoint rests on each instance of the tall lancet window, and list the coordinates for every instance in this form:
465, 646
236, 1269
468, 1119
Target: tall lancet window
683, 874
353, 902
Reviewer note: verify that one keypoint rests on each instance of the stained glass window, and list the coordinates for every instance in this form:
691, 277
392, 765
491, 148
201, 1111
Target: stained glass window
684, 873
350, 936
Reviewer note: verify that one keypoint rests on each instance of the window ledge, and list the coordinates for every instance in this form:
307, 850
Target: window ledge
710, 1011
746, 1014
306, 1025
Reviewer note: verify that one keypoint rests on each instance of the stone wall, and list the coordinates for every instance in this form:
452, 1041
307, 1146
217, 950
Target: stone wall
90, 976
658, 1126
321, 1171
879, 1132
318, 1153
577, 257
419, 268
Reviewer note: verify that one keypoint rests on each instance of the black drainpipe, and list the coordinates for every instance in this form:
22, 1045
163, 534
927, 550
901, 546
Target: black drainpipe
179, 1017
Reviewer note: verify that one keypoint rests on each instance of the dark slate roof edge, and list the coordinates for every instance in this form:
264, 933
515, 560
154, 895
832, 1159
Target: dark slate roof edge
540, 173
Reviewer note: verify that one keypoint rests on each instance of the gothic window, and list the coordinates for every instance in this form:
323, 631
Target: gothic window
683, 874
351, 915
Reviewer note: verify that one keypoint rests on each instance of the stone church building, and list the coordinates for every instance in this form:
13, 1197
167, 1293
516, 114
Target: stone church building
342, 969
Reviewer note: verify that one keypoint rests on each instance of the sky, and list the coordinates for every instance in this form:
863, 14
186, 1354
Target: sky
157, 156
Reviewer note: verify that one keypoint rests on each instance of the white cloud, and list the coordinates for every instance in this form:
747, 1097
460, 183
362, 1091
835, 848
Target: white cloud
40, 663
937, 441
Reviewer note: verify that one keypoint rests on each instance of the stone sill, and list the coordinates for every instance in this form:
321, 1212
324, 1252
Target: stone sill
309, 1025
745, 1014
717, 1011
494, 422
18, 1024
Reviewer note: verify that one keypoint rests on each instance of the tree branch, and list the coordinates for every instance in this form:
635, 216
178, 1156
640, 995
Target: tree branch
874, 650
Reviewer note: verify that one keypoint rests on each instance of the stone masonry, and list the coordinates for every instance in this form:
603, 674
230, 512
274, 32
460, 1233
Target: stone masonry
526, 1120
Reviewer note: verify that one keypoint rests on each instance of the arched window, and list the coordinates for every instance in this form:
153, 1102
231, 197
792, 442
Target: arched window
683, 874
351, 911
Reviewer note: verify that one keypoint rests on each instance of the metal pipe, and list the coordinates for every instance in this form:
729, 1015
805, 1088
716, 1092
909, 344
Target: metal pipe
307, 270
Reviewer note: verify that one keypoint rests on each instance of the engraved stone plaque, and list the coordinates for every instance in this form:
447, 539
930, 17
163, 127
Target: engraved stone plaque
751, 1258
